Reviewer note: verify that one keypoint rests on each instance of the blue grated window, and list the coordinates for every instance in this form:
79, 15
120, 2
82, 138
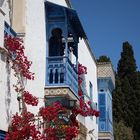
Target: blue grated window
102, 99
102, 113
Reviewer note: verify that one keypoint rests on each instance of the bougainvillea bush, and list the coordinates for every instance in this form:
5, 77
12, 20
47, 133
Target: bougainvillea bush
48, 123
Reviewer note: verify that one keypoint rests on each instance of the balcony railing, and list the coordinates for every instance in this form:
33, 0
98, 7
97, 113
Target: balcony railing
61, 72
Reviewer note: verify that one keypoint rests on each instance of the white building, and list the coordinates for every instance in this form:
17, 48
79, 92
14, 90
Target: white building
87, 58
30, 20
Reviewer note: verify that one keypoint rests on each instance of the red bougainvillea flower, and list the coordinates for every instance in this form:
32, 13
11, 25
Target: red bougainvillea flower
84, 108
23, 127
80, 93
51, 112
89, 102
82, 69
30, 99
21, 64
71, 132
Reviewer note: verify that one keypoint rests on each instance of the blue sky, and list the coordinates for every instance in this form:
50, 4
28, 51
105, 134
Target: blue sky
109, 23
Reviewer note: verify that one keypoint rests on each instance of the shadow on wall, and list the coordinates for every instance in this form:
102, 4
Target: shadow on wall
8, 92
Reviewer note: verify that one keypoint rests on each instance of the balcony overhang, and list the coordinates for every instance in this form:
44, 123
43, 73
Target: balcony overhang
105, 83
58, 11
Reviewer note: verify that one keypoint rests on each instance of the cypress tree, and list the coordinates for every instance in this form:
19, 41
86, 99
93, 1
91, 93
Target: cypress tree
127, 64
130, 90
118, 101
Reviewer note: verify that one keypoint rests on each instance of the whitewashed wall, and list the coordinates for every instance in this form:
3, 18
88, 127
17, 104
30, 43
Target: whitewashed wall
5, 8
4, 16
8, 97
86, 59
1, 28
59, 2
35, 46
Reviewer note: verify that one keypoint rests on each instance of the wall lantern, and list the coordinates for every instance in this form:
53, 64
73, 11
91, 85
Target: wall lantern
71, 103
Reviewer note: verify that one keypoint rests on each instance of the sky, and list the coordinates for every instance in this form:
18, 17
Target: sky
109, 23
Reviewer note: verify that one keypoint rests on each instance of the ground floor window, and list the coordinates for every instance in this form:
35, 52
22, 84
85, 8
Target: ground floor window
2, 135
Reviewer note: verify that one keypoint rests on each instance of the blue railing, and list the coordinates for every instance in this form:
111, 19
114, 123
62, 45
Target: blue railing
60, 72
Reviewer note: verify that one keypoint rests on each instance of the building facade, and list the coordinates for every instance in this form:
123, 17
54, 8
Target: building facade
106, 84
56, 43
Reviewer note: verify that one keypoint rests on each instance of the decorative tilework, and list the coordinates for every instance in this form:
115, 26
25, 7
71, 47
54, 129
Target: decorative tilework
105, 70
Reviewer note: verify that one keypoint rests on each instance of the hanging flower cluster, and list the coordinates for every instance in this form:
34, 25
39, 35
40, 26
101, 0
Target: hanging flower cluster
21, 66
56, 127
81, 70
23, 127
20, 63
51, 112
85, 108
30, 99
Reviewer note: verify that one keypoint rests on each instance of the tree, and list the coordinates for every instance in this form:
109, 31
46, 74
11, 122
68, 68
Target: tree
118, 101
128, 91
122, 132
103, 58
127, 64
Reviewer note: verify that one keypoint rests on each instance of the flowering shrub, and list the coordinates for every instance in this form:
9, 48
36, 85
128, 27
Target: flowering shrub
56, 127
25, 126
84, 109
51, 112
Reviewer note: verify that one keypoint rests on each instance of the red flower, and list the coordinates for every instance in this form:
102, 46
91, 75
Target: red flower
21, 64
89, 102
30, 99
80, 93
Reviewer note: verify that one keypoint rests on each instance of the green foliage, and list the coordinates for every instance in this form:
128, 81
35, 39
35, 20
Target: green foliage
118, 101
126, 97
122, 132
127, 63
103, 58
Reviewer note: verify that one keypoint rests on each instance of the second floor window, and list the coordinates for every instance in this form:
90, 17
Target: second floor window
90, 91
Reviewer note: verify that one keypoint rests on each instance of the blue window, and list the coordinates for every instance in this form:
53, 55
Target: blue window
102, 113
102, 107
2, 135
102, 99
90, 91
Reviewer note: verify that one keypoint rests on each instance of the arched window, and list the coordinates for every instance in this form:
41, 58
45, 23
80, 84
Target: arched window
56, 47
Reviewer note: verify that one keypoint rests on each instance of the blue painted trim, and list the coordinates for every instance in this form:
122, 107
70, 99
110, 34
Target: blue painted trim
2, 135
107, 122
61, 11
8, 30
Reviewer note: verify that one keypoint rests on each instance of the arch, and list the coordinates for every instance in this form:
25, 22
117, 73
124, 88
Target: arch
56, 47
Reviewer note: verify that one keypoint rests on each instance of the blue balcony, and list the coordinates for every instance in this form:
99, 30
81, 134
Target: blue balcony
61, 72
63, 30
